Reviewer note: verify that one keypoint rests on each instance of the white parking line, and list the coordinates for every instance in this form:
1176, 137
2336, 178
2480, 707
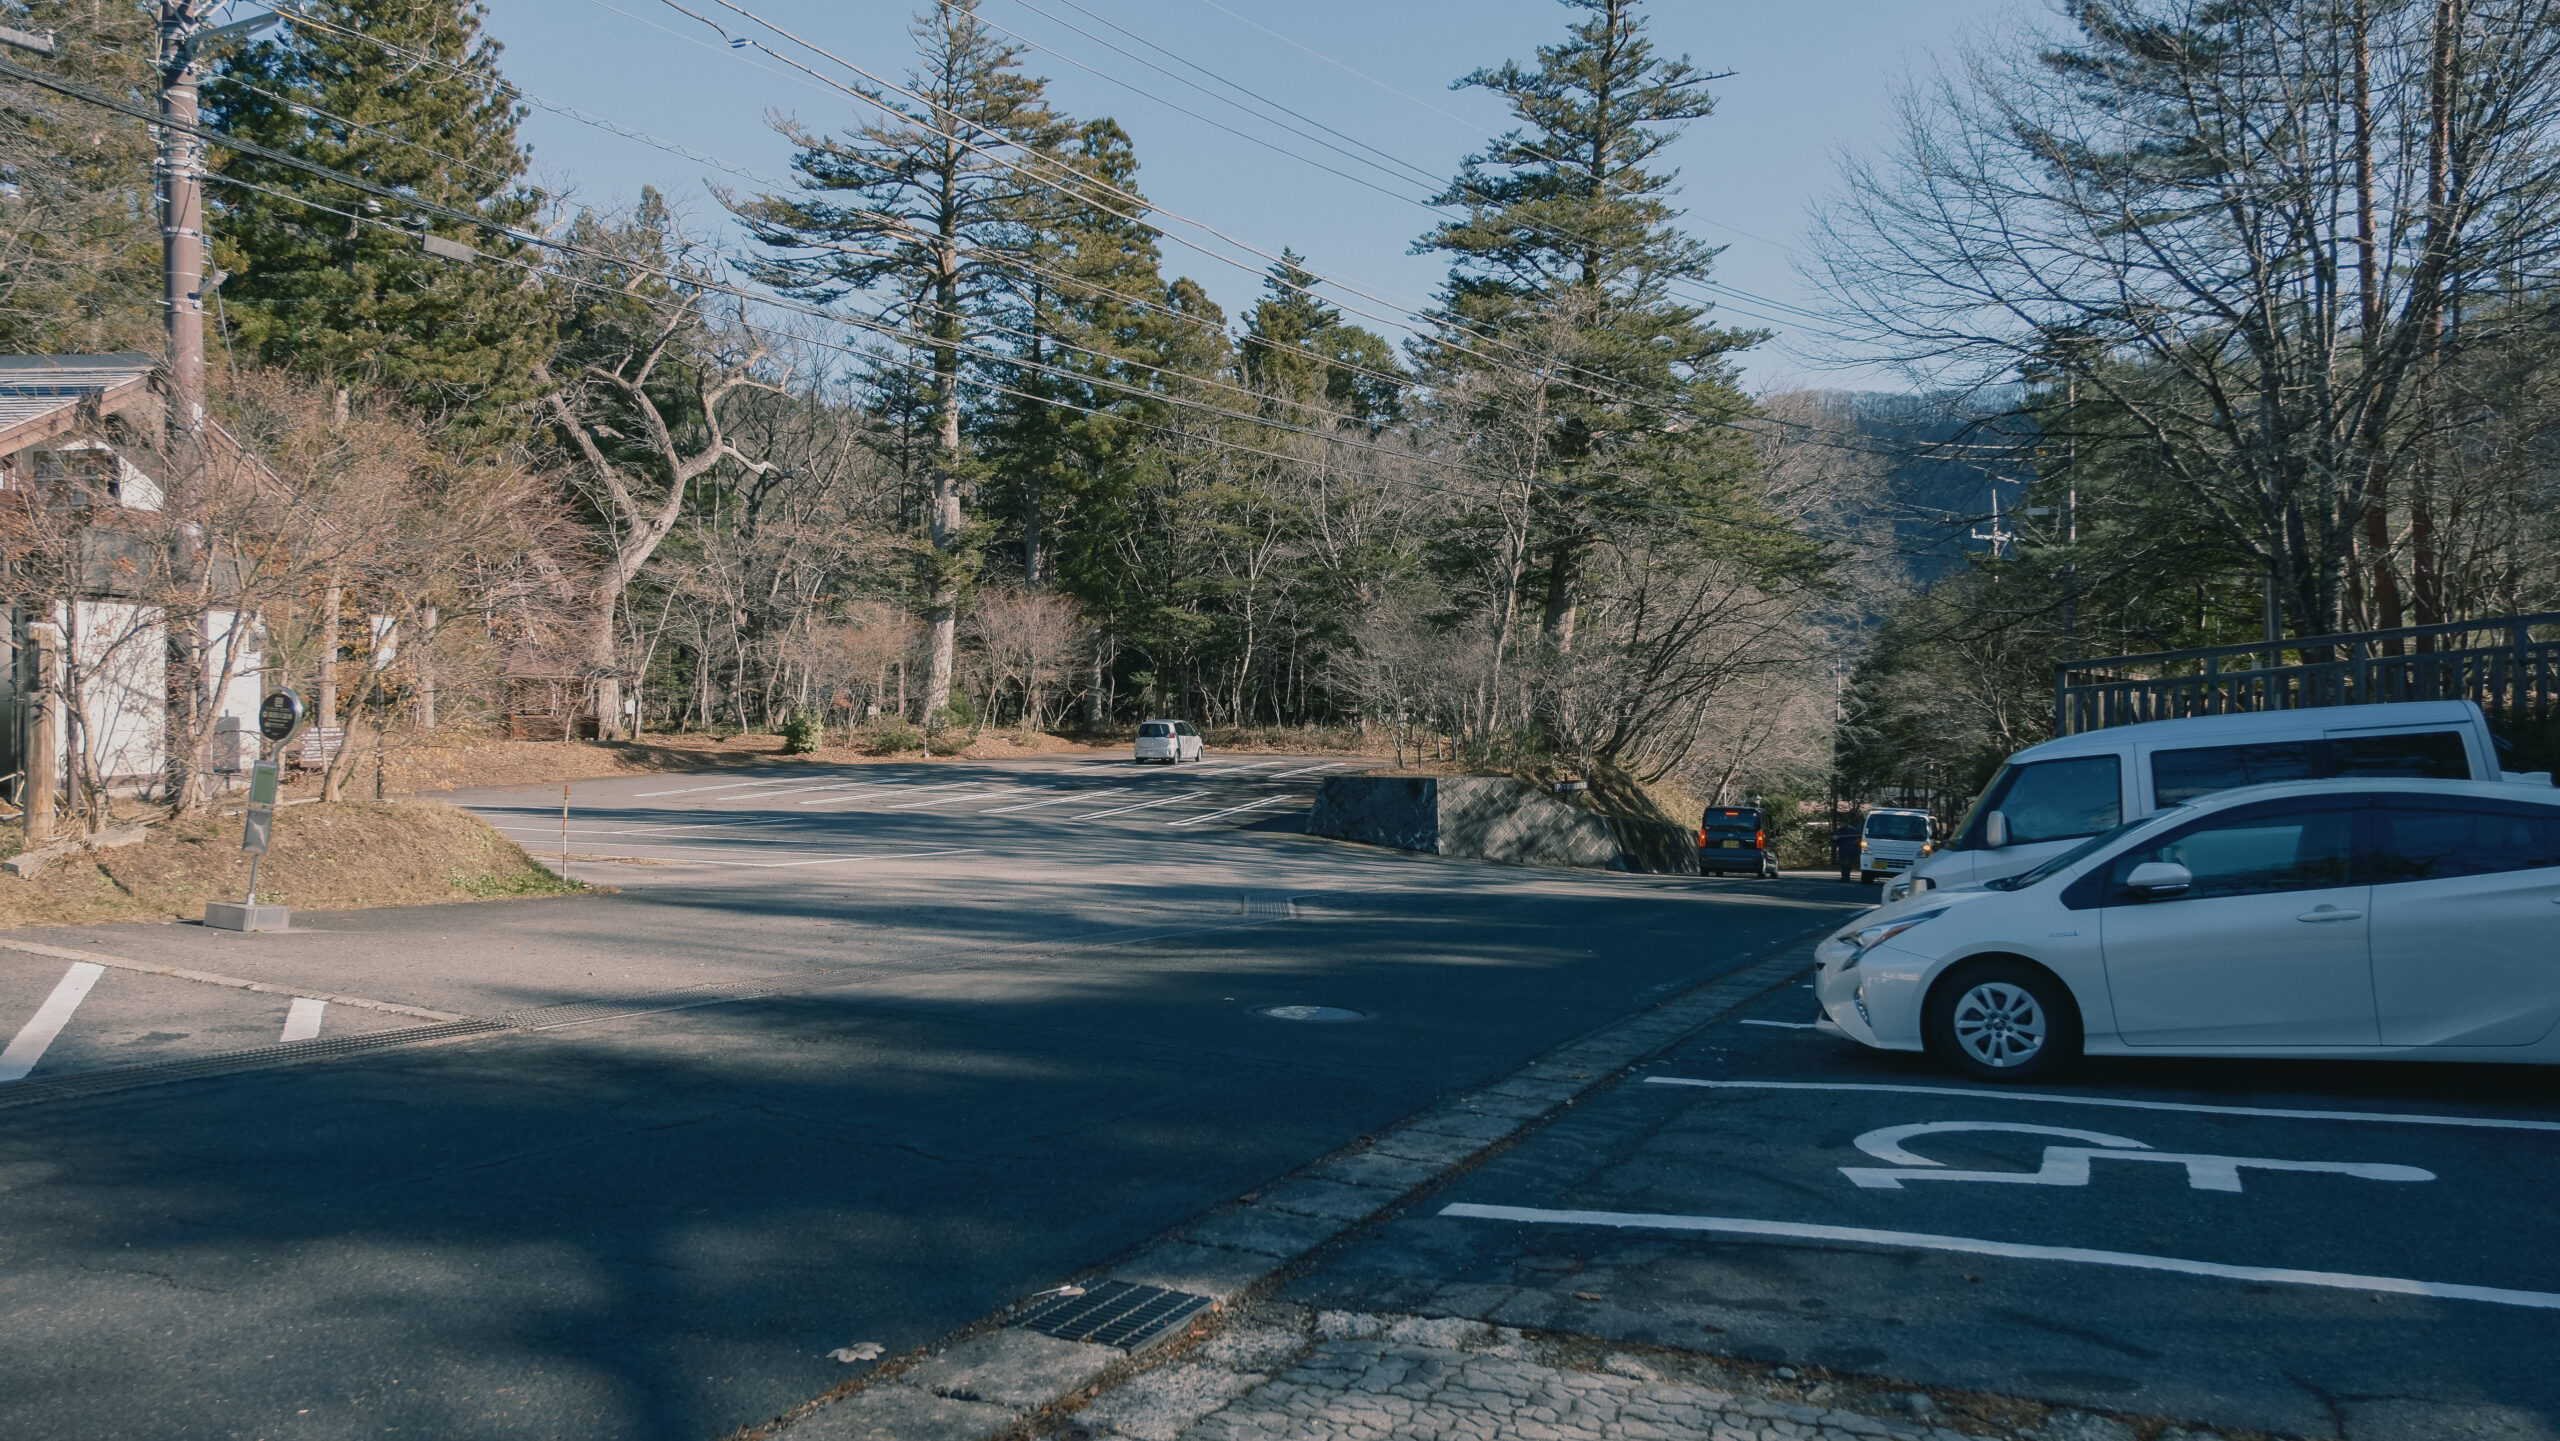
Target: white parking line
1923, 1241
1143, 805
854, 794
731, 786
1231, 810
1309, 770
2487, 1123
542, 830
302, 1022
1060, 799
839, 860
29, 1045
969, 795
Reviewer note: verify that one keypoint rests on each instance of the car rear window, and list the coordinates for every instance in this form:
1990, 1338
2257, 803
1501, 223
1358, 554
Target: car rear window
1154, 730
1898, 828
1721, 819
2422, 840
2183, 775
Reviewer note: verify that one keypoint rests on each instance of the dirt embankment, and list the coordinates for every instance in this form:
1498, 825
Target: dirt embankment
322, 858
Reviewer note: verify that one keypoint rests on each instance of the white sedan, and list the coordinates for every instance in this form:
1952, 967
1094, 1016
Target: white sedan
2412, 920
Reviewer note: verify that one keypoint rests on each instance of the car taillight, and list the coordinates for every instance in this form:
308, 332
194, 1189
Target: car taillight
1759, 840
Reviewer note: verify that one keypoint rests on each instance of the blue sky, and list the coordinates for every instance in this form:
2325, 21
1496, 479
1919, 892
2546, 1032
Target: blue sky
1812, 77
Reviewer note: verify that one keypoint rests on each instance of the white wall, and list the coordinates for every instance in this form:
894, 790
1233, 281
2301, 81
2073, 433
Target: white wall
122, 652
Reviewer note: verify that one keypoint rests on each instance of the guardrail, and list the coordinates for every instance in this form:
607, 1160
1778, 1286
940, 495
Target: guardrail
2499, 662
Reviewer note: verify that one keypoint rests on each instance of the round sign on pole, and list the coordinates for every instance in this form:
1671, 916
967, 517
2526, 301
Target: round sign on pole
280, 715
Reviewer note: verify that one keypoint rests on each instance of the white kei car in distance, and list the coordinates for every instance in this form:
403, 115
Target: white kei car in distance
2365, 918
1170, 741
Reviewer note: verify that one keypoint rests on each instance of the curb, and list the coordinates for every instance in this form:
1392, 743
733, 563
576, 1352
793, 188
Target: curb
993, 1381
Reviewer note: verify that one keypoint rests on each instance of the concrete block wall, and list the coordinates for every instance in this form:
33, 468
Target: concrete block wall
1493, 818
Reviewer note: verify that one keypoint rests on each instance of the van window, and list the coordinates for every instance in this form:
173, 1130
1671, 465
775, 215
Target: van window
1738, 820
2055, 800
1183, 728
1155, 730
1898, 828
2183, 775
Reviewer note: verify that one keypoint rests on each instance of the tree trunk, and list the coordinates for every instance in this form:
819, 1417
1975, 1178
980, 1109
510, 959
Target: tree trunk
1563, 569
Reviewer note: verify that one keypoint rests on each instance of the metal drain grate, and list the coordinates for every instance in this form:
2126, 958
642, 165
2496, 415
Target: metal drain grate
1114, 1313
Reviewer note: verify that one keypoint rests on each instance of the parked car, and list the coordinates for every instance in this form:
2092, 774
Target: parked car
1734, 840
2049, 797
2400, 919
1170, 741
1892, 841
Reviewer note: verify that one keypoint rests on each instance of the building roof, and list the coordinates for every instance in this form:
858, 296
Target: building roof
39, 394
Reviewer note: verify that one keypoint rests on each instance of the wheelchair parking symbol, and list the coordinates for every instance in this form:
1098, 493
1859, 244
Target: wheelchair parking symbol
2069, 1165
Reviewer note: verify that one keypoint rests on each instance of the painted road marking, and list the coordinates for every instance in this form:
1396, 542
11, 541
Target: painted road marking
1143, 805
838, 860
542, 830
2069, 1165
1787, 1025
60, 953
2487, 1123
731, 786
302, 1022
855, 793
1060, 799
1967, 1245
971, 795
1231, 810
38, 1033
1309, 770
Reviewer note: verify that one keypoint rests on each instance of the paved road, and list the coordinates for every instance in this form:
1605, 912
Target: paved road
2319, 1250
852, 1055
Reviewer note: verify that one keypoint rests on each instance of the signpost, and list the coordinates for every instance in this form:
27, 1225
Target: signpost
280, 716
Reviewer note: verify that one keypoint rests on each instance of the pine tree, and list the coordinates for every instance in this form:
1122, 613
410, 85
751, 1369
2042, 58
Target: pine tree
939, 217
1301, 351
79, 242
1565, 217
348, 297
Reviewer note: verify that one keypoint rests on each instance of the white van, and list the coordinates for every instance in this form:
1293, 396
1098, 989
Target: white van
2051, 796
1892, 841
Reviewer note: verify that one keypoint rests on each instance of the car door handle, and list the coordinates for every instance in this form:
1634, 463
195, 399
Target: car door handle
2330, 913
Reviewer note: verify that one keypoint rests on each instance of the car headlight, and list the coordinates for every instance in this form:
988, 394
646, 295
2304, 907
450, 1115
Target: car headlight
1867, 938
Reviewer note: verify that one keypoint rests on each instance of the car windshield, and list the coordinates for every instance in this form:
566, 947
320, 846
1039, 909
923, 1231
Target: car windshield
1898, 828
2075, 855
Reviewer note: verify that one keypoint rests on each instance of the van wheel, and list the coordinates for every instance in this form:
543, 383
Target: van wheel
2001, 1020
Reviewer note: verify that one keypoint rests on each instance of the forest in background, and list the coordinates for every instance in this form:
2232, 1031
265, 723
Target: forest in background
2239, 305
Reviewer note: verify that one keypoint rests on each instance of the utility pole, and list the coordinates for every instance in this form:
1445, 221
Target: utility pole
185, 41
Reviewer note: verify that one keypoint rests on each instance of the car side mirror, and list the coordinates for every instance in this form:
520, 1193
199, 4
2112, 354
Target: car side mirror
2159, 880
1995, 830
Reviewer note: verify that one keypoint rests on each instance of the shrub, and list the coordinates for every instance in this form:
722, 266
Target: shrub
803, 733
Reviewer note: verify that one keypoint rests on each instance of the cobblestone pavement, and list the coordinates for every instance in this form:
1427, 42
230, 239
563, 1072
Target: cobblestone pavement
1343, 1376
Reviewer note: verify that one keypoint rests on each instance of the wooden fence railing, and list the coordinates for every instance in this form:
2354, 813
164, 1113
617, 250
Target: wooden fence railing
2509, 664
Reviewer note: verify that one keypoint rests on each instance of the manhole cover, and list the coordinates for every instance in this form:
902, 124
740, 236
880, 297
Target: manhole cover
1312, 1013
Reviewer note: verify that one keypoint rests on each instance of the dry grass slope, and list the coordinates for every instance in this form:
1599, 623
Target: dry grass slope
323, 858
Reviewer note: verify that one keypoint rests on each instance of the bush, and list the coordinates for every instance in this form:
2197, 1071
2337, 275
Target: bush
893, 735
803, 733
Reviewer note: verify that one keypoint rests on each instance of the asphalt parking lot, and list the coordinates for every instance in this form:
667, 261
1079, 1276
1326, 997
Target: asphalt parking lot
2315, 1249
810, 1076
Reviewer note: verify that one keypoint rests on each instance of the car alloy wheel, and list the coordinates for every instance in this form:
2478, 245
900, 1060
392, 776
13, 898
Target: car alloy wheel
1999, 1019
1999, 1025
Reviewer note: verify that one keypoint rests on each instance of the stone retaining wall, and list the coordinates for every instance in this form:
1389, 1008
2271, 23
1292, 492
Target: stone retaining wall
1494, 818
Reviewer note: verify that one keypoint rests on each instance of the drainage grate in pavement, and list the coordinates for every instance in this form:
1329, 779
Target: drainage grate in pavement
1114, 1313
91, 1083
